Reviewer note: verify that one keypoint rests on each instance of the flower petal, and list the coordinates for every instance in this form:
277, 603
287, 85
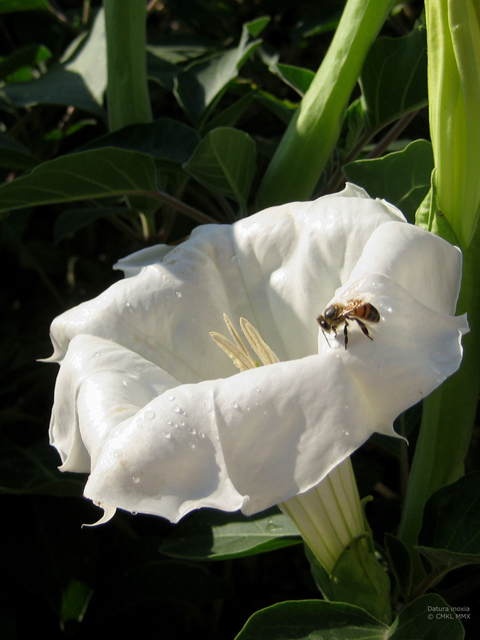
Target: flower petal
147, 403
278, 269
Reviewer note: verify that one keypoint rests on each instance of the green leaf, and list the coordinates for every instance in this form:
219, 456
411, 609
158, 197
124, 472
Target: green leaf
400, 563
203, 83
394, 78
165, 139
225, 161
230, 116
9, 6
450, 536
25, 57
68, 222
14, 155
214, 535
90, 174
427, 618
59, 86
80, 83
75, 600
451, 516
162, 71
402, 178
296, 77
312, 620
283, 109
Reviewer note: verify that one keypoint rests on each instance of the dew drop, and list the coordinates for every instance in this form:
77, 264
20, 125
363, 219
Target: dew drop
178, 294
192, 431
150, 414
169, 422
271, 526
178, 409
208, 401
171, 397
257, 389
167, 435
235, 405
135, 480
125, 383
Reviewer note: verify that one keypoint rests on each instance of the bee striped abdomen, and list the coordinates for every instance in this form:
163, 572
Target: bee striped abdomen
365, 312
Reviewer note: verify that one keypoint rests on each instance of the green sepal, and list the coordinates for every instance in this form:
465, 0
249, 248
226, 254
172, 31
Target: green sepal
428, 216
357, 578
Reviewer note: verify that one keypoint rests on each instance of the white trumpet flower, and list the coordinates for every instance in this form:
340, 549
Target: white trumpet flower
153, 410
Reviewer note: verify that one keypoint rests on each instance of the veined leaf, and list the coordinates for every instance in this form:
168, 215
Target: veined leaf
214, 535
225, 161
90, 174
394, 78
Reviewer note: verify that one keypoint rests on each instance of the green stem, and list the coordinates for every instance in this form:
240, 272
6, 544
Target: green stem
313, 132
127, 91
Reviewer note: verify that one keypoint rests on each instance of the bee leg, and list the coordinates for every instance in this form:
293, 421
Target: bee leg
363, 328
345, 334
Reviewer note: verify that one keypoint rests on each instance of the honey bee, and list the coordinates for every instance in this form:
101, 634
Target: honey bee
344, 308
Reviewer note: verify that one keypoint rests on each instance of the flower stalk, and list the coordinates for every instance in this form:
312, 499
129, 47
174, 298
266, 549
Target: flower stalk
313, 131
453, 39
453, 33
329, 516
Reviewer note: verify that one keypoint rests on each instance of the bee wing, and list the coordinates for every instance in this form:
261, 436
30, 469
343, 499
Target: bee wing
353, 295
358, 301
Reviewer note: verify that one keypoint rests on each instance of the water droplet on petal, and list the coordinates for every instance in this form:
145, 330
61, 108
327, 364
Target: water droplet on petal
208, 401
235, 404
178, 294
178, 409
170, 397
135, 480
